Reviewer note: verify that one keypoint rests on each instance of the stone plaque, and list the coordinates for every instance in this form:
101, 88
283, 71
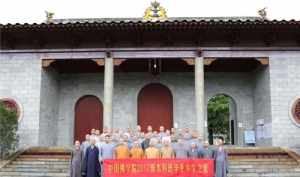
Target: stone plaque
296, 111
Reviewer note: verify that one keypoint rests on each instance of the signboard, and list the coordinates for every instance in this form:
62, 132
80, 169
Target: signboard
249, 137
159, 168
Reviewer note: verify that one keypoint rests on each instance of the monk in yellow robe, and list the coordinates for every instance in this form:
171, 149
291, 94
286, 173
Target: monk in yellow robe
167, 151
152, 152
136, 152
122, 151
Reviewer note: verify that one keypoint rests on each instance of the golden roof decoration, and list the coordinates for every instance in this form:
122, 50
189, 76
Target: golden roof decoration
155, 12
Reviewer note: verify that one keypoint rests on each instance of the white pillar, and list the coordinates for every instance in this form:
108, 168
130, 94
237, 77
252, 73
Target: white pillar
199, 95
108, 92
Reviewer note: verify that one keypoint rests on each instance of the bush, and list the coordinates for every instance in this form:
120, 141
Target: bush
8, 131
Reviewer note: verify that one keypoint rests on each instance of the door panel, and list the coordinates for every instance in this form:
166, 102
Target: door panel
88, 115
155, 107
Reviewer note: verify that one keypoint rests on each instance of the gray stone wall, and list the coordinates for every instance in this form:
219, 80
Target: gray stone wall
126, 90
262, 100
49, 108
72, 88
239, 87
47, 99
20, 79
285, 87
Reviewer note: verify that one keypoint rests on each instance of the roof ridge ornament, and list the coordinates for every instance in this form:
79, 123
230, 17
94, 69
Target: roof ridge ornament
263, 13
155, 12
49, 16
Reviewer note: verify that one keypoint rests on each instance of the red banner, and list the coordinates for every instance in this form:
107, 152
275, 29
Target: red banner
159, 168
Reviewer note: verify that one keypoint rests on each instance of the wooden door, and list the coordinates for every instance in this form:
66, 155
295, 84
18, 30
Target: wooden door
155, 107
88, 115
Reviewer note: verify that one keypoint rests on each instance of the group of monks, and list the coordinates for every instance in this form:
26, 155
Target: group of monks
87, 157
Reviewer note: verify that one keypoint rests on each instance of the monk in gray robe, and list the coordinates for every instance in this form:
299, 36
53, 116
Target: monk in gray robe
181, 150
221, 159
206, 152
106, 149
193, 152
76, 161
85, 144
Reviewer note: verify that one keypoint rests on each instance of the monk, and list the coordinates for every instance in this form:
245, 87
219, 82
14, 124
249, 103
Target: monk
106, 149
76, 160
122, 151
193, 152
85, 144
152, 152
136, 152
91, 161
206, 152
181, 149
167, 151
146, 141
221, 159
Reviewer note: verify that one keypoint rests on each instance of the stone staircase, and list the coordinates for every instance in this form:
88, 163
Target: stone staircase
263, 162
38, 162
244, 162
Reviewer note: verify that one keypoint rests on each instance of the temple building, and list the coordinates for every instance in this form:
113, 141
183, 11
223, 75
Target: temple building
66, 76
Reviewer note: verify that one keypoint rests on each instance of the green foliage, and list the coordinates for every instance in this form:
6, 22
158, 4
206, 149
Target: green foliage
8, 129
218, 115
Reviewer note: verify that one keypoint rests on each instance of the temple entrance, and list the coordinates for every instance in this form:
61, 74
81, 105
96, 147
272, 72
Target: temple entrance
88, 115
155, 107
221, 118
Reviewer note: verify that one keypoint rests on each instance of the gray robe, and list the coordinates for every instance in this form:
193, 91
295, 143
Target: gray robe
193, 153
206, 153
181, 151
76, 163
221, 162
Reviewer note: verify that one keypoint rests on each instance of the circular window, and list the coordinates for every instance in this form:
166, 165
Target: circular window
12, 105
296, 111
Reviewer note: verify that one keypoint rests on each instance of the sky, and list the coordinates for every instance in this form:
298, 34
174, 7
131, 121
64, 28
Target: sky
30, 11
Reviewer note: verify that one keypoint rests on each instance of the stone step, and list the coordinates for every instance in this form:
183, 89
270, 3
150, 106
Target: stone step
262, 166
263, 163
67, 175
43, 160
56, 170
38, 166
32, 174
44, 156
262, 159
39, 163
258, 158
262, 170
264, 175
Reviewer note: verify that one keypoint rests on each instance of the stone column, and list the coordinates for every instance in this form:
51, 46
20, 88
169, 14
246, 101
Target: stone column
199, 95
108, 91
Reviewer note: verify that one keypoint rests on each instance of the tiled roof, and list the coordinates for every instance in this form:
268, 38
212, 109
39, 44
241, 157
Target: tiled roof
134, 22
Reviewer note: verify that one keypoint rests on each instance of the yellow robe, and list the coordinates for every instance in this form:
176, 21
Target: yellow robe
167, 153
152, 153
122, 152
136, 153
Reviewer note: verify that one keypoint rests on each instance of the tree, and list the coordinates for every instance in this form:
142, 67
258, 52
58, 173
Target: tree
218, 116
8, 130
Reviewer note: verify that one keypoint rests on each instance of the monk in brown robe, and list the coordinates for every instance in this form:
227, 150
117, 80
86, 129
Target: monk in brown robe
136, 151
122, 151
167, 151
152, 152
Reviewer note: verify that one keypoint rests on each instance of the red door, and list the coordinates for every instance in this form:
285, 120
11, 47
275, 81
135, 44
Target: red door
155, 107
88, 115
